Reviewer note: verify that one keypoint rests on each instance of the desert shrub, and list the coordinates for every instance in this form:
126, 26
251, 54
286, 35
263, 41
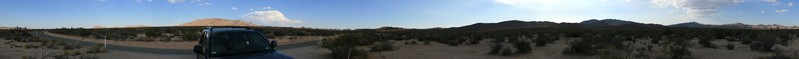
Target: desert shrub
382, 46
540, 43
27, 57
544, 39
679, 53
343, 47
781, 54
474, 41
580, 47
413, 42
495, 48
506, 52
73, 45
706, 43
28, 46
71, 52
523, 47
97, 48
731, 46
88, 57
762, 46
426, 42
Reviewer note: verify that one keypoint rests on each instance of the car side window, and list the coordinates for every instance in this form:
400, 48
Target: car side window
204, 38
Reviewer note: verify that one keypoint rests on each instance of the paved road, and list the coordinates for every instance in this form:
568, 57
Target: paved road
159, 50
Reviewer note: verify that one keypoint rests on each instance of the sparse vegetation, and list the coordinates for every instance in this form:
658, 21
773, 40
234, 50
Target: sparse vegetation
97, 48
679, 53
382, 46
668, 42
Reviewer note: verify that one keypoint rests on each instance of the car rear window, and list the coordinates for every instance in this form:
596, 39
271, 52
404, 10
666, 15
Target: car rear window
237, 42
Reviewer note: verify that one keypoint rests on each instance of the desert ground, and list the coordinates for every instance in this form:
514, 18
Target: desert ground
434, 50
15, 50
553, 51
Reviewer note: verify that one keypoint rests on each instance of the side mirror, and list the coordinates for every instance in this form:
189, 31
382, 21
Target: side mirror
198, 49
272, 44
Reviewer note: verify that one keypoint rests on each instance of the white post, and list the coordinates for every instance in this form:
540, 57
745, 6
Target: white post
105, 42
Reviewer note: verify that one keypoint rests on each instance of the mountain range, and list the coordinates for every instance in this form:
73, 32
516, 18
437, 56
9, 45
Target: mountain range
513, 24
610, 23
197, 22
734, 26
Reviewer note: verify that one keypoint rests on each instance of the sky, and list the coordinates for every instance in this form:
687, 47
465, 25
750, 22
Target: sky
350, 14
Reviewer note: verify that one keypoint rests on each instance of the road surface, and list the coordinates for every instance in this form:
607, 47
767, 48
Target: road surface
158, 50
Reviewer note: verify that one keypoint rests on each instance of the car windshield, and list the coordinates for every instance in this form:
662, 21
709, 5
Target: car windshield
237, 42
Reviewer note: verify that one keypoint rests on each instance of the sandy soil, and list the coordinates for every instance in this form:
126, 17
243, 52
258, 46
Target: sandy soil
479, 51
156, 44
553, 51
10, 52
311, 52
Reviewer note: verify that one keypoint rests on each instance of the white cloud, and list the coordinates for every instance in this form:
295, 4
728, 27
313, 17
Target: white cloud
267, 8
511, 2
175, 1
524, 2
193, 1
762, 11
251, 9
782, 11
269, 16
234, 8
696, 8
770, 0
204, 4
149, 0
790, 4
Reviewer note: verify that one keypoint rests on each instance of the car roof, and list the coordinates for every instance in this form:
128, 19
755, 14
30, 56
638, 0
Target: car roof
216, 30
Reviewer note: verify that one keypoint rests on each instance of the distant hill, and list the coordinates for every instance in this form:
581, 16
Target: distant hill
733, 26
510, 24
134, 26
7, 28
217, 22
692, 25
615, 23
593, 23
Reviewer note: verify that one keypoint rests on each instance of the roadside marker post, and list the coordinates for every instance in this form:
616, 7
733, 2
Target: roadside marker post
105, 42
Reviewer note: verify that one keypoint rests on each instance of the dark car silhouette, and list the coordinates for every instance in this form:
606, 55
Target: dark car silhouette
236, 43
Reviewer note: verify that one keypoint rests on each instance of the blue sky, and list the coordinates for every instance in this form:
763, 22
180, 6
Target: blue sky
378, 13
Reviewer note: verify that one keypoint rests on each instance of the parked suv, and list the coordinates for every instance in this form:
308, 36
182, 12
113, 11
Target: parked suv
236, 43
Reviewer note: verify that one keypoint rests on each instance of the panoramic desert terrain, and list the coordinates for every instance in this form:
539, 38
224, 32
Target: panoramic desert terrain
399, 29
